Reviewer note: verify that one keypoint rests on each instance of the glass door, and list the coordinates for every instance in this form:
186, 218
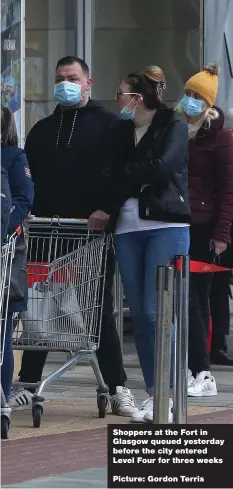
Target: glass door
12, 71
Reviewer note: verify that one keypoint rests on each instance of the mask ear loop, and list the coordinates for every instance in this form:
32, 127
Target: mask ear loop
86, 90
137, 103
131, 102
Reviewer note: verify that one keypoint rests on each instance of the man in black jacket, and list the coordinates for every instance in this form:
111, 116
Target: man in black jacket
67, 153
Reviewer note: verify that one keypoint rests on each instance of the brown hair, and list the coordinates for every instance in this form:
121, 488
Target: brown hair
9, 135
150, 83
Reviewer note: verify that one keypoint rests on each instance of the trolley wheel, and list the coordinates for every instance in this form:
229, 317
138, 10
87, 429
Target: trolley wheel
102, 405
5, 424
36, 416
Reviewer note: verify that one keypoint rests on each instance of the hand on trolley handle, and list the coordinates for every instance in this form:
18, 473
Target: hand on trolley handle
98, 220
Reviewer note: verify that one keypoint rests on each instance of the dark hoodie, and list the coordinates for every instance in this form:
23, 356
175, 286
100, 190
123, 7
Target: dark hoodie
211, 178
67, 167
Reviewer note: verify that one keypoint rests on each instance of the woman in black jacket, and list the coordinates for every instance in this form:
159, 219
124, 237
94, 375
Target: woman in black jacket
152, 219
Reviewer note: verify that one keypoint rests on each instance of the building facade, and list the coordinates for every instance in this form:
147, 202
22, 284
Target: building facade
114, 37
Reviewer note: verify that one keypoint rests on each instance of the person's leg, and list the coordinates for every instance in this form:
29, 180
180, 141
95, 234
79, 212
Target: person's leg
7, 368
129, 253
162, 245
138, 255
130, 256
200, 283
220, 313
32, 366
109, 353
31, 371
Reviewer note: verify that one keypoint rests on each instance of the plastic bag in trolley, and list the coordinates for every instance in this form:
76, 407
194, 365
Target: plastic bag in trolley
53, 314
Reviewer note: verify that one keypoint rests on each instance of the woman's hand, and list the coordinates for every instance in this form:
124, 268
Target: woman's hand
217, 247
98, 220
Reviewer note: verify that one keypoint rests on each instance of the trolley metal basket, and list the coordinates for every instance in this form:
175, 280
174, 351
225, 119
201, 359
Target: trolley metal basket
66, 278
7, 255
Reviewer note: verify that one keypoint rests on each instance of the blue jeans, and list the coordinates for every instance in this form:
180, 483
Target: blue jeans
7, 368
138, 255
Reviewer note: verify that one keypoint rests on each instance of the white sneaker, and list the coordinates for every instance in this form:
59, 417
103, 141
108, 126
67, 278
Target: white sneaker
123, 402
19, 397
190, 378
146, 406
145, 413
149, 415
204, 385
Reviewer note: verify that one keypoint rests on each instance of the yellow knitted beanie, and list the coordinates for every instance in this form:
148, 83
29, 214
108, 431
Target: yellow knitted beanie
205, 83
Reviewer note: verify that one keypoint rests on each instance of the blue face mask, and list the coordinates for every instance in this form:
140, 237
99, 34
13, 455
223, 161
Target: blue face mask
68, 93
192, 106
127, 114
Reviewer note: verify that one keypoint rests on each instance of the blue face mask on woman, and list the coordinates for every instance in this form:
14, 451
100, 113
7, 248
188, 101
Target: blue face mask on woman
192, 106
127, 114
68, 93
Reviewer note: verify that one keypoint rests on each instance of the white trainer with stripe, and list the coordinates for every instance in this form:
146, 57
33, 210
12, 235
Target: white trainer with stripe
19, 397
123, 402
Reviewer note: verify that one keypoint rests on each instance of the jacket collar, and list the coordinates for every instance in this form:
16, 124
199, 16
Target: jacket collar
159, 122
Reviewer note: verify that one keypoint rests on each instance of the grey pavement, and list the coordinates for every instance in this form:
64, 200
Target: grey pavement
94, 478
79, 383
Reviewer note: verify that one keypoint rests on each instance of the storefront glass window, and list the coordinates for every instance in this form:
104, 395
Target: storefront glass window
129, 34
51, 33
11, 58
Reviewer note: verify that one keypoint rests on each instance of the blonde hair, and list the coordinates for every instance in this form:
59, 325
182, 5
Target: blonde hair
150, 83
208, 115
154, 73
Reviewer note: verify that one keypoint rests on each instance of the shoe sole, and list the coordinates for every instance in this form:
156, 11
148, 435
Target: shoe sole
203, 394
124, 415
21, 407
142, 421
170, 421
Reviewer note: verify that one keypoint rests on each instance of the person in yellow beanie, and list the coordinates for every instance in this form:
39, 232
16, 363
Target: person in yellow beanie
211, 198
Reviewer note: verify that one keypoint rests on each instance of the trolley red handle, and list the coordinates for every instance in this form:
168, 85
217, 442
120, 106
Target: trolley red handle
18, 230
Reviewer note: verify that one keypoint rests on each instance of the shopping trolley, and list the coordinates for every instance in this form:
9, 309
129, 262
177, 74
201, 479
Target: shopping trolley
66, 278
7, 255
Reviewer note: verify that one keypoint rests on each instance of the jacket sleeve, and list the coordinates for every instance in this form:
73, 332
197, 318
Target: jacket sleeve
30, 146
223, 169
114, 187
160, 165
22, 190
5, 203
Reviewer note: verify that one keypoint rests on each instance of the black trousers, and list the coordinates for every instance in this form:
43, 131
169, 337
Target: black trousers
220, 310
109, 353
200, 284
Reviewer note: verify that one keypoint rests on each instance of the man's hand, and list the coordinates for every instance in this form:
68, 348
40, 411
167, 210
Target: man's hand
217, 247
98, 220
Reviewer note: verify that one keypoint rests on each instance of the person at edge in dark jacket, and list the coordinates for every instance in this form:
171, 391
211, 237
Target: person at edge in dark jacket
14, 161
6, 204
211, 199
219, 297
67, 153
152, 212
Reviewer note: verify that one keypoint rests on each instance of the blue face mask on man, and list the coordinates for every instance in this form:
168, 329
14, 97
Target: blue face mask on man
192, 106
68, 93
